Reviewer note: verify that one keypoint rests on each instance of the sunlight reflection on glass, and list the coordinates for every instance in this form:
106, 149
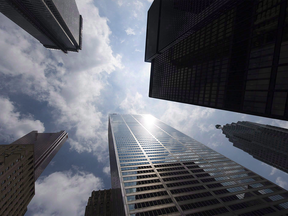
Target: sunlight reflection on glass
149, 120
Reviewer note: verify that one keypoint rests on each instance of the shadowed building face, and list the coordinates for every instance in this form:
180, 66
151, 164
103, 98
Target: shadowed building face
224, 54
57, 24
21, 163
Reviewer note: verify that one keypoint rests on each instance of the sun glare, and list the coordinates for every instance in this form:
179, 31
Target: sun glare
149, 120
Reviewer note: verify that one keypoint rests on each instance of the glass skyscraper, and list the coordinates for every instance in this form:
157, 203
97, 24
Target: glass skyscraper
224, 54
21, 163
264, 142
157, 170
56, 24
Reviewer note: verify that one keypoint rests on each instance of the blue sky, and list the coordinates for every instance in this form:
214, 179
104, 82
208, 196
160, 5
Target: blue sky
49, 91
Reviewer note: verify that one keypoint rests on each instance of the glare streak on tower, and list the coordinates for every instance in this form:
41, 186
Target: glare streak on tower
156, 170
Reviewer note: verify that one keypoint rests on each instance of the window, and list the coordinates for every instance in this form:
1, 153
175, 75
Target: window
138, 189
199, 204
217, 211
144, 196
189, 189
193, 196
148, 204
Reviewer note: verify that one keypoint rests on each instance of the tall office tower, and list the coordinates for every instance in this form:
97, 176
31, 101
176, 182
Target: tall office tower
224, 54
157, 170
21, 163
57, 24
100, 203
17, 178
264, 142
46, 146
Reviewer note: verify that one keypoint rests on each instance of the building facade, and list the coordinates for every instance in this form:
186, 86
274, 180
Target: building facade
100, 204
157, 170
266, 143
21, 163
46, 146
223, 54
56, 24
17, 178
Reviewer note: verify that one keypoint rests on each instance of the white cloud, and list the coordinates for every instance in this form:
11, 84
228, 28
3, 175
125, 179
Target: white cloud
186, 117
206, 128
70, 84
273, 171
281, 182
63, 193
106, 170
130, 31
133, 104
138, 4
13, 125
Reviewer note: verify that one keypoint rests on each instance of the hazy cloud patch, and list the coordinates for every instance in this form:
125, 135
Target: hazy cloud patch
13, 125
64, 193
106, 170
130, 31
133, 104
281, 182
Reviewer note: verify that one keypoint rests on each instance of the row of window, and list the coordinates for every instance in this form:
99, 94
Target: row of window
149, 204
139, 189
146, 195
135, 183
163, 211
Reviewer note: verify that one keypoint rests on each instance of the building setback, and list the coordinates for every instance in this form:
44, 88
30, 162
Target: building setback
157, 170
224, 54
264, 142
56, 24
100, 203
21, 163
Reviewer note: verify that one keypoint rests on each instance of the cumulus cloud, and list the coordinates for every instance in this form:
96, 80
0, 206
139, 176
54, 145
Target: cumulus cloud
281, 182
273, 171
133, 104
64, 193
106, 170
70, 84
187, 118
130, 31
13, 125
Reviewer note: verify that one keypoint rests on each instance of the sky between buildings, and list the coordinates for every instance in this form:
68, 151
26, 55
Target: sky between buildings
49, 91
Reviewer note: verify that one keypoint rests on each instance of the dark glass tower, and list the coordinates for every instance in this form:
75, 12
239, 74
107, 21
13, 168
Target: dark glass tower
46, 146
224, 54
264, 142
21, 163
57, 24
157, 170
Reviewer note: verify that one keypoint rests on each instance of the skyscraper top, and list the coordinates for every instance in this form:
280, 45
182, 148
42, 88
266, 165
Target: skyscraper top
57, 24
46, 145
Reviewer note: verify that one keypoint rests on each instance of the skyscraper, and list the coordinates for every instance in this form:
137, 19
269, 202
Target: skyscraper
56, 24
264, 142
21, 163
100, 204
157, 170
224, 54
17, 178
46, 146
